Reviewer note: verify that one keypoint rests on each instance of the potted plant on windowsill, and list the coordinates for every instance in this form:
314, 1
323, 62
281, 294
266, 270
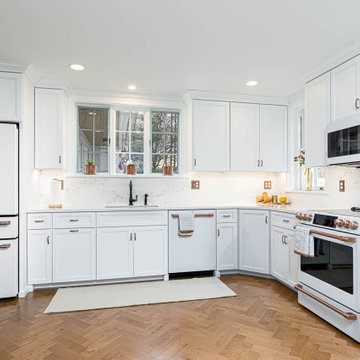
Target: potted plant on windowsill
131, 169
90, 168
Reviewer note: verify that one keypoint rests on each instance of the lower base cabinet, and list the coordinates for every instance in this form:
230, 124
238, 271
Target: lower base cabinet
40, 245
284, 262
9, 268
74, 255
131, 251
227, 241
254, 241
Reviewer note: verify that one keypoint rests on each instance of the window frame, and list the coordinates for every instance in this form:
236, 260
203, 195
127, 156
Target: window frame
147, 139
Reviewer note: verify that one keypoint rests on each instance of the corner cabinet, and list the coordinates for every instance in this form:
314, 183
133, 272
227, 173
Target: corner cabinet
49, 122
239, 136
317, 118
210, 135
10, 96
254, 241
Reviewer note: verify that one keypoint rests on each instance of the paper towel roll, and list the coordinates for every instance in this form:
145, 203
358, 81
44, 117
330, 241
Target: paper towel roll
54, 193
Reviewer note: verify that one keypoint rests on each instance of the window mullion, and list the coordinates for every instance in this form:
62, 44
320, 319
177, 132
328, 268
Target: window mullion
147, 146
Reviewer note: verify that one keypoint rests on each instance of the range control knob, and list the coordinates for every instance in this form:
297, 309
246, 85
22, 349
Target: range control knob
309, 217
339, 222
298, 216
355, 225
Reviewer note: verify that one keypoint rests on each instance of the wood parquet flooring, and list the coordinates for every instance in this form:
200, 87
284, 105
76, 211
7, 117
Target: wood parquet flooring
264, 322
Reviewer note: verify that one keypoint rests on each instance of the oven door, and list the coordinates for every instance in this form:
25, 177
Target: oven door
334, 271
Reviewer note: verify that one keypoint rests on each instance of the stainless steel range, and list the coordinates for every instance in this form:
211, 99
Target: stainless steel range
329, 283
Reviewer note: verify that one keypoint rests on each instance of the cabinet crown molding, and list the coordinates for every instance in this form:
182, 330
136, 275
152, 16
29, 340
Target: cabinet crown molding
13, 66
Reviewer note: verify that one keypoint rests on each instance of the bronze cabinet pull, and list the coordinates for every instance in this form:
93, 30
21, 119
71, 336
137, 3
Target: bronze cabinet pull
262, 163
130, 236
218, 232
5, 246
346, 315
286, 221
282, 239
194, 162
39, 221
134, 236
74, 220
227, 216
48, 239
5, 223
357, 103
196, 215
74, 230
266, 219
258, 163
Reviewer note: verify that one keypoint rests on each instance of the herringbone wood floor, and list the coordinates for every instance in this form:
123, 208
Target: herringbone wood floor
263, 322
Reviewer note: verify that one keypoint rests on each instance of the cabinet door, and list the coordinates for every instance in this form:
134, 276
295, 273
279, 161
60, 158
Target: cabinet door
74, 255
254, 241
279, 254
273, 138
317, 117
49, 118
294, 259
244, 137
114, 253
39, 256
344, 89
9, 166
210, 135
227, 246
150, 250
8, 268
10, 96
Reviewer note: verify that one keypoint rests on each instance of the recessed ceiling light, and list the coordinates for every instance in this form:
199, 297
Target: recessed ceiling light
77, 67
251, 83
132, 87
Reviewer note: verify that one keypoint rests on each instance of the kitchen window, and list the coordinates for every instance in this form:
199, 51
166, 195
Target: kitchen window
149, 139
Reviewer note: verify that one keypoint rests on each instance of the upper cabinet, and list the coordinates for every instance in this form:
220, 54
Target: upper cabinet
345, 90
49, 117
10, 96
250, 137
317, 117
273, 138
210, 135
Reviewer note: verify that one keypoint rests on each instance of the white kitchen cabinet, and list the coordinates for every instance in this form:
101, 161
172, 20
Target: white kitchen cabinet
254, 241
273, 138
9, 268
210, 135
279, 254
345, 89
294, 259
317, 118
150, 247
10, 96
74, 255
114, 253
245, 146
227, 249
40, 256
49, 120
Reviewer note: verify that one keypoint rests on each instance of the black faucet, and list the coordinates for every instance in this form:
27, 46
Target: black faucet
146, 199
131, 199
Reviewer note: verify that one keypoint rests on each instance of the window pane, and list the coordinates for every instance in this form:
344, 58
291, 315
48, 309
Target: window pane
157, 163
171, 122
137, 143
121, 163
122, 142
123, 120
157, 122
171, 144
85, 118
101, 119
158, 143
171, 160
138, 160
137, 121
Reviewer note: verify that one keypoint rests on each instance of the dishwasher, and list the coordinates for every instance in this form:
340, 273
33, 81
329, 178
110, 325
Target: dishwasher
196, 252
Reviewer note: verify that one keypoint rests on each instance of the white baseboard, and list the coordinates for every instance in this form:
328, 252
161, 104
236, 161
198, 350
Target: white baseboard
23, 292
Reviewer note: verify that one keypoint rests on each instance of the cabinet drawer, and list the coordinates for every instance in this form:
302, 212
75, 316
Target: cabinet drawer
133, 218
39, 221
285, 220
8, 227
226, 216
74, 220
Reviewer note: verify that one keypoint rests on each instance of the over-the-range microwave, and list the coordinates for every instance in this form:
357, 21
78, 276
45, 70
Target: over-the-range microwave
343, 143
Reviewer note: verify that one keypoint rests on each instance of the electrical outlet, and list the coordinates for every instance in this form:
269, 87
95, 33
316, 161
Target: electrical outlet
195, 184
267, 185
342, 185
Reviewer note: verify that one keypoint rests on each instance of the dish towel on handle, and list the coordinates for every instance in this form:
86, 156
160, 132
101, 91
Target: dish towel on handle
304, 242
186, 224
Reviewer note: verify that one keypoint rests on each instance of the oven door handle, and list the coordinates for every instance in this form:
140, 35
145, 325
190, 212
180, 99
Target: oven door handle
346, 315
331, 236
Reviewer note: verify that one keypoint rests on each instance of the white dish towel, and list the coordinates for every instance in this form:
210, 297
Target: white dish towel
304, 241
186, 223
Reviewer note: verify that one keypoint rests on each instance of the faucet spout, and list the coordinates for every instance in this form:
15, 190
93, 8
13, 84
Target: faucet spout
131, 199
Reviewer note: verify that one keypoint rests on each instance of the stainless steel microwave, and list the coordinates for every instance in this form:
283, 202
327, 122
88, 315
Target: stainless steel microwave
343, 143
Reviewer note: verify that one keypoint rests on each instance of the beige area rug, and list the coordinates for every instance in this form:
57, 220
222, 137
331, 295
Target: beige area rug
121, 295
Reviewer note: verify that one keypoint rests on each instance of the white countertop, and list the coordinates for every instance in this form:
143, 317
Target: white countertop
285, 208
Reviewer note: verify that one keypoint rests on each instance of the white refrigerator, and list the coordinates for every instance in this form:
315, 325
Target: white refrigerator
9, 209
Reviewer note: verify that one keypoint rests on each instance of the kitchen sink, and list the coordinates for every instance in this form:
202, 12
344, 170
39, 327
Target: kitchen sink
115, 206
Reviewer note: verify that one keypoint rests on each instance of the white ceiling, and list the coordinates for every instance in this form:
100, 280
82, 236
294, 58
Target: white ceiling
168, 46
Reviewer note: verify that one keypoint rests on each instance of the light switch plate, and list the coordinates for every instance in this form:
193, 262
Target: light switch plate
342, 185
267, 185
195, 184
